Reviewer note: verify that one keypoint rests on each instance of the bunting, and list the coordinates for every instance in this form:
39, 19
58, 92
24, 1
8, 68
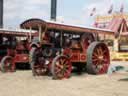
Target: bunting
122, 8
93, 11
110, 9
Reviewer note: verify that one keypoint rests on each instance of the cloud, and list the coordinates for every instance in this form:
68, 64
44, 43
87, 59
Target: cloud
16, 11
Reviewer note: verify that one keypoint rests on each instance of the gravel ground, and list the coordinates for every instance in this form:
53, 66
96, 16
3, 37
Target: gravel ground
22, 83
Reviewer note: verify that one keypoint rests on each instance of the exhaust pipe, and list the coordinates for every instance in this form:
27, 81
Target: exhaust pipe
1, 13
53, 9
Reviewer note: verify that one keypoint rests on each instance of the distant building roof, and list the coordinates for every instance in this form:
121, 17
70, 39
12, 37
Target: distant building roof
115, 24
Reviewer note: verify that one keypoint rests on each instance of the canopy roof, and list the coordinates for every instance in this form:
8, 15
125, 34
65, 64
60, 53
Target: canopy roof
34, 23
19, 32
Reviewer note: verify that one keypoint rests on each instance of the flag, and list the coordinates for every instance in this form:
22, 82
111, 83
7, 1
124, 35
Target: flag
93, 11
122, 8
96, 24
110, 9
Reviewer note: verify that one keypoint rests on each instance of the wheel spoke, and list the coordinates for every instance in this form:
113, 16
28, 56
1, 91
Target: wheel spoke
66, 62
98, 62
95, 59
98, 52
103, 69
101, 51
104, 60
57, 71
95, 54
62, 60
58, 65
67, 66
104, 51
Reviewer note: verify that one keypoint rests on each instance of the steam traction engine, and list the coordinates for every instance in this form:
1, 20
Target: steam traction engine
61, 47
13, 49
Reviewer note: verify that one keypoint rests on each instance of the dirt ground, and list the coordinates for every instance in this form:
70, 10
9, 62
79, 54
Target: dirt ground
22, 83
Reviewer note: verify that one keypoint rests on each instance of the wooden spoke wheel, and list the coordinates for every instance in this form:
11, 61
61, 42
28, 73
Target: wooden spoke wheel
61, 67
37, 62
87, 39
98, 58
7, 64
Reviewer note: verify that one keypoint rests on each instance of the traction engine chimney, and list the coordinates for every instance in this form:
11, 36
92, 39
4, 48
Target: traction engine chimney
1, 13
53, 9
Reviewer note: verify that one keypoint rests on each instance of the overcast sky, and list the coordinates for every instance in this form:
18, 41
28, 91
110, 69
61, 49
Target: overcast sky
69, 11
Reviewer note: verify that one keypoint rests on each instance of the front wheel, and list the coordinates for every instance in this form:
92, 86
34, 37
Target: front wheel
37, 62
7, 64
61, 67
98, 58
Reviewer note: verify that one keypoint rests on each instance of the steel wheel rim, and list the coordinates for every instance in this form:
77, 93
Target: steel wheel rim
100, 59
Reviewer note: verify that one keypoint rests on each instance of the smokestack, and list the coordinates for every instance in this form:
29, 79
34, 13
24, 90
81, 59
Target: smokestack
53, 9
1, 13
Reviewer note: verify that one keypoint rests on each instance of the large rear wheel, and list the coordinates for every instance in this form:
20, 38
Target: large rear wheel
98, 58
61, 67
7, 64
